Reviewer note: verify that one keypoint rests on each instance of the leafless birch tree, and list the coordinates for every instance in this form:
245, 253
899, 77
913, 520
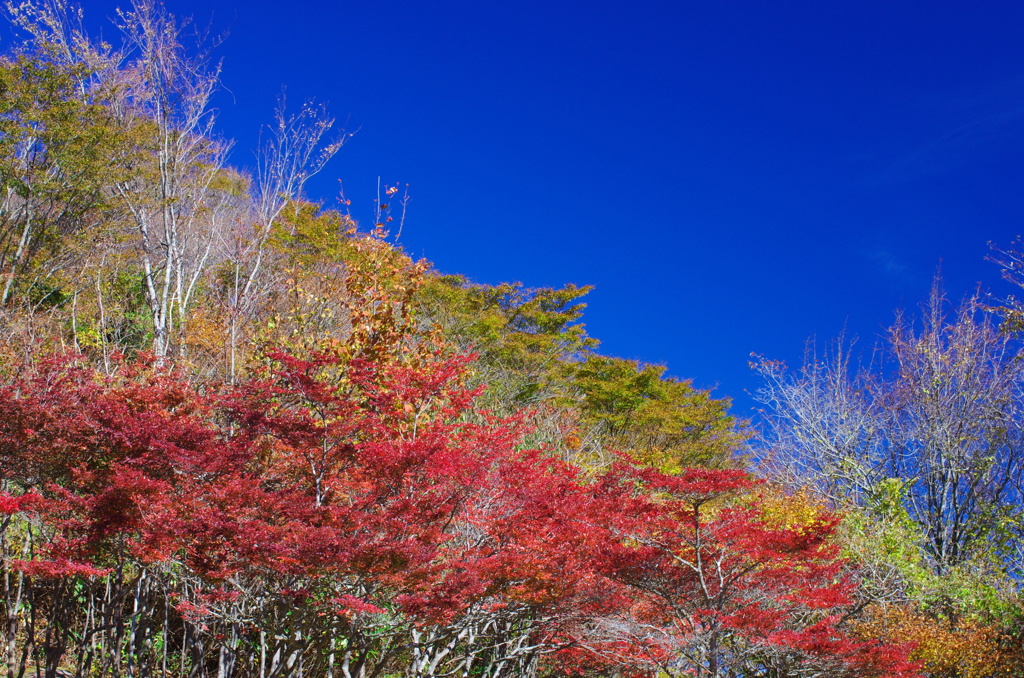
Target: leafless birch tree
170, 198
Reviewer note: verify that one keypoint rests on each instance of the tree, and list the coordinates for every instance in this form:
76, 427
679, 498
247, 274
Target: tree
959, 429
169, 195
725, 589
59, 150
923, 446
662, 422
943, 414
259, 522
352, 513
524, 337
293, 152
533, 351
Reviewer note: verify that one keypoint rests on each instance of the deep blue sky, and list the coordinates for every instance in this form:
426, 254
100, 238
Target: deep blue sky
734, 177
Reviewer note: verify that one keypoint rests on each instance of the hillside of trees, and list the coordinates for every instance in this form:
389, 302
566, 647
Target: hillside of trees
242, 434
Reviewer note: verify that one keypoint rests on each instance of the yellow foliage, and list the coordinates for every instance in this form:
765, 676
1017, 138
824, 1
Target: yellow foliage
800, 509
961, 649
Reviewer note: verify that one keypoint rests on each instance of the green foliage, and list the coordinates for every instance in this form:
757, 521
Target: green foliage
884, 537
534, 351
125, 325
524, 329
900, 539
661, 421
44, 295
309, 236
524, 338
60, 151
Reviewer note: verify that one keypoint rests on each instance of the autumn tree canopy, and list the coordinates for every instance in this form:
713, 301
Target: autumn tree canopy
242, 434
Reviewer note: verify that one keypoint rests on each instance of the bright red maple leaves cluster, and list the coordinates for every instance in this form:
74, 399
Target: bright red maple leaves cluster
350, 517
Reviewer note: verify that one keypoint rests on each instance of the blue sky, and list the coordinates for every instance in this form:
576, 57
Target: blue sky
734, 177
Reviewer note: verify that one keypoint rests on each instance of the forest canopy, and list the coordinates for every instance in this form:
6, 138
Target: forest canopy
243, 434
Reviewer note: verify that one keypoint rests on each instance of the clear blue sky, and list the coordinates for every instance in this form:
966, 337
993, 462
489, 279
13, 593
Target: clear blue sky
732, 176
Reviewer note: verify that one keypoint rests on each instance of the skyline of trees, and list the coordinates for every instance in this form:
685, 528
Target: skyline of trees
242, 434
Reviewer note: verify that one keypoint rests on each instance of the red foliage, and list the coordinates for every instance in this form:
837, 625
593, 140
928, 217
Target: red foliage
718, 588
360, 490
56, 569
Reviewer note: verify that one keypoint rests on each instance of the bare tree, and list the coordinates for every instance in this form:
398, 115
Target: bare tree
169, 197
294, 150
941, 410
957, 426
55, 26
823, 425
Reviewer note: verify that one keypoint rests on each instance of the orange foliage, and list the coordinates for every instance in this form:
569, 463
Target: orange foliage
964, 649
